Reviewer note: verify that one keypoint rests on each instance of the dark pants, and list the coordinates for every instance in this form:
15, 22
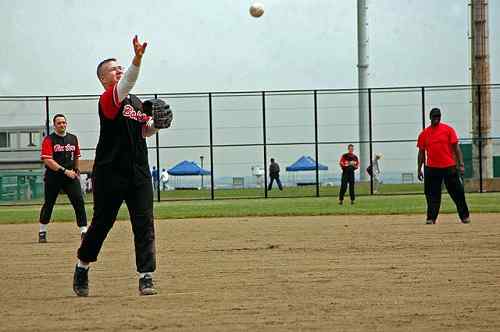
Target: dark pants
347, 178
109, 193
433, 181
278, 182
54, 183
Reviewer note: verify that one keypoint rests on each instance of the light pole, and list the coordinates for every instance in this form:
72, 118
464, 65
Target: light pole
363, 76
201, 165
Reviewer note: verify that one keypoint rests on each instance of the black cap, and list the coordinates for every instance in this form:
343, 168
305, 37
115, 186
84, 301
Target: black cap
435, 112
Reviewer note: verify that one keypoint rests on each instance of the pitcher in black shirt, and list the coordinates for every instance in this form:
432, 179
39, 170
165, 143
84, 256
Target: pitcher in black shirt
60, 154
121, 172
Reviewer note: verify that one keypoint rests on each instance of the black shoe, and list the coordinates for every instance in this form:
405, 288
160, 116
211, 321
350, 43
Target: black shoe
430, 222
466, 220
146, 286
352, 202
341, 202
82, 235
81, 281
42, 237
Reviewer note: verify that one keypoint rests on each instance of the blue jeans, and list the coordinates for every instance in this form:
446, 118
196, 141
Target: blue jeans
278, 182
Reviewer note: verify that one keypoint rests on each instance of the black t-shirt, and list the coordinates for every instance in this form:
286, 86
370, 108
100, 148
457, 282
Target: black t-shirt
274, 169
346, 159
62, 149
122, 149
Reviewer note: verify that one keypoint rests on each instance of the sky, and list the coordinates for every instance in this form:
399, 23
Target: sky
53, 47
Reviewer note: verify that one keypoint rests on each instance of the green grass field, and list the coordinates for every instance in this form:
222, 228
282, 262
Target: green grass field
302, 191
303, 206
362, 189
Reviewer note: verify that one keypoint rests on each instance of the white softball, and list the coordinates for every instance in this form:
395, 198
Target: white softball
257, 9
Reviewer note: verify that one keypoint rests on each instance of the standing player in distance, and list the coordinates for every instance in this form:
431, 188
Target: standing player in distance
376, 173
156, 178
349, 163
61, 154
274, 174
121, 171
438, 149
164, 180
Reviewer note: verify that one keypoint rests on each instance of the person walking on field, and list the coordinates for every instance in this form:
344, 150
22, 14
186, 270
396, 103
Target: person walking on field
274, 174
121, 169
155, 177
349, 163
439, 151
61, 155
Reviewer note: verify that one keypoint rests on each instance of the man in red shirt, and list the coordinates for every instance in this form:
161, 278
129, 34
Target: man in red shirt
60, 154
444, 162
349, 162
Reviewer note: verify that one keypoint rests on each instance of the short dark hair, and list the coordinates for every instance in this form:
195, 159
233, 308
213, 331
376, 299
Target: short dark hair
350, 145
435, 112
58, 115
102, 63
272, 160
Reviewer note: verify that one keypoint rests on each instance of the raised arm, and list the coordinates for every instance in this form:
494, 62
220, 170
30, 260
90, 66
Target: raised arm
128, 80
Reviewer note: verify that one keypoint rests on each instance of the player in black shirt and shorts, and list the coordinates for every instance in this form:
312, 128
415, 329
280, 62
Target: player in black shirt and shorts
60, 154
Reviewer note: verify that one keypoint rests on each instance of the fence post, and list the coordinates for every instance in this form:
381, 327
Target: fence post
423, 107
212, 193
47, 115
480, 138
264, 140
316, 140
370, 137
157, 163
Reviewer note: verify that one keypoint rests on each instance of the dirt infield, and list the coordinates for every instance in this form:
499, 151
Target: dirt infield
281, 274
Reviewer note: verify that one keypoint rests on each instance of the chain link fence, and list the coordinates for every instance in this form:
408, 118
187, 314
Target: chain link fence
233, 135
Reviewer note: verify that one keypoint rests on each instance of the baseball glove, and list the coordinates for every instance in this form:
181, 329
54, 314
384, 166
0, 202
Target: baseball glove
160, 111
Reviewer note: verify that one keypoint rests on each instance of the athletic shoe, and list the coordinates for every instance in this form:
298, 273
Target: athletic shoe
352, 202
341, 202
430, 222
146, 286
82, 235
466, 220
42, 237
81, 281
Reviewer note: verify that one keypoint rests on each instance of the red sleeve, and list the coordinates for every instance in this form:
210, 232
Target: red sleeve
453, 136
47, 148
77, 150
109, 102
421, 141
